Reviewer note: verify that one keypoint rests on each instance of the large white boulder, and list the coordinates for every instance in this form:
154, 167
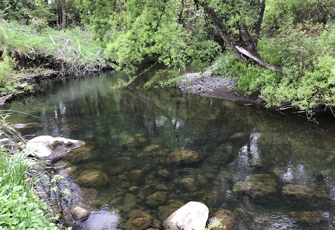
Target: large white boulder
51, 148
191, 216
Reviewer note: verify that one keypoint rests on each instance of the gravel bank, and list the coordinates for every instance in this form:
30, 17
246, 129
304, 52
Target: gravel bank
216, 86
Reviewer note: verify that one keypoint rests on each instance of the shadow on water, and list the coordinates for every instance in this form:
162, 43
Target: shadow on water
272, 171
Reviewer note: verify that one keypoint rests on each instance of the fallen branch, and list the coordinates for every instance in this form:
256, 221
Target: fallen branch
258, 60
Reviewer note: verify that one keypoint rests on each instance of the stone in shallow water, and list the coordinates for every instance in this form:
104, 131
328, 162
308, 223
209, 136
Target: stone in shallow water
152, 150
81, 154
134, 189
189, 184
156, 199
192, 216
129, 203
183, 157
259, 186
93, 178
140, 221
80, 213
312, 217
225, 217
164, 174
115, 170
297, 191
133, 141
135, 176
165, 211
161, 187
52, 148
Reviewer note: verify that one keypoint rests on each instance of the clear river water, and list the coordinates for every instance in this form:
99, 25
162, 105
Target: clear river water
271, 170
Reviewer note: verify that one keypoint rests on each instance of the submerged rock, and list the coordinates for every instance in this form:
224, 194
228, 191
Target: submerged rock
79, 213
192, 216
297, 191
133, 141
93, 178
140, 221
51, 148
189, 184
129, 203
165, 211
308, 217
152, 150
225, 217
135, 176
183, 157
156, 199
258, 186
81, 154
164, 174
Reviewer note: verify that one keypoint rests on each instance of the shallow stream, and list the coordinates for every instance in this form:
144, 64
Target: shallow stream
272, 170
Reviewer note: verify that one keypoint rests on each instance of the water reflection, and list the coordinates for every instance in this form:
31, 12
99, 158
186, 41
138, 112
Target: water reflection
270, 170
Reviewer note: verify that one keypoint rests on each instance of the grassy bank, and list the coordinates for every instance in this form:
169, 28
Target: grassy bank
31, 49
20, 206
306, 52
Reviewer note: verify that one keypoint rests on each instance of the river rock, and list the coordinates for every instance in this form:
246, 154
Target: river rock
192, 216
134, 189
93, 178
156, 199
165, 211
51, 148
116, 170
189, 184
183, 157
164, 174
133, 141
152, 150
140, 221
68, 171
135, 176
161, 187
81, 154
129, 203
259, 186
126, 162
297, 191
225, 217
79, 213
312, 217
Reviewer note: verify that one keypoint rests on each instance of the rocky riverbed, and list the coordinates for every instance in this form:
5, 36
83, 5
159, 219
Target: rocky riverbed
147, 183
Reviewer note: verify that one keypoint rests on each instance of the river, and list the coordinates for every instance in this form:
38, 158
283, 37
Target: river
272, 170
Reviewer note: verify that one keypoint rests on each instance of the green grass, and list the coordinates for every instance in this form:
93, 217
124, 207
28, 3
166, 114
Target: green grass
71, 46
20, 207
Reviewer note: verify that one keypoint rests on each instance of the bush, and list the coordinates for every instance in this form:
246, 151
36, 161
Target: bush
8, 79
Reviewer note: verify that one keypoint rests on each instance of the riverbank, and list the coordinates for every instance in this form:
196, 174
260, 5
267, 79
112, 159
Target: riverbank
30, 56
205, 84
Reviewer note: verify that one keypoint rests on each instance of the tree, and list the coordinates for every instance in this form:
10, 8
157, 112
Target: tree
138, 30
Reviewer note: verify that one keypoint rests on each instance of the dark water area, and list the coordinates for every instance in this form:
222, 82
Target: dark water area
272, 170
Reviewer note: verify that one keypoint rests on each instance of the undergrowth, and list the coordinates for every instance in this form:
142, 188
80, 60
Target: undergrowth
307, 54
73, 49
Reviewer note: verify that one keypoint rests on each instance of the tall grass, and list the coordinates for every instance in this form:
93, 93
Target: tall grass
20, 207
72, 47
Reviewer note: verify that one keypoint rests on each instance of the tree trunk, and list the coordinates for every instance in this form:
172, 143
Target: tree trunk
189, 16
260, 19
63, 15
245, 44
229, 43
